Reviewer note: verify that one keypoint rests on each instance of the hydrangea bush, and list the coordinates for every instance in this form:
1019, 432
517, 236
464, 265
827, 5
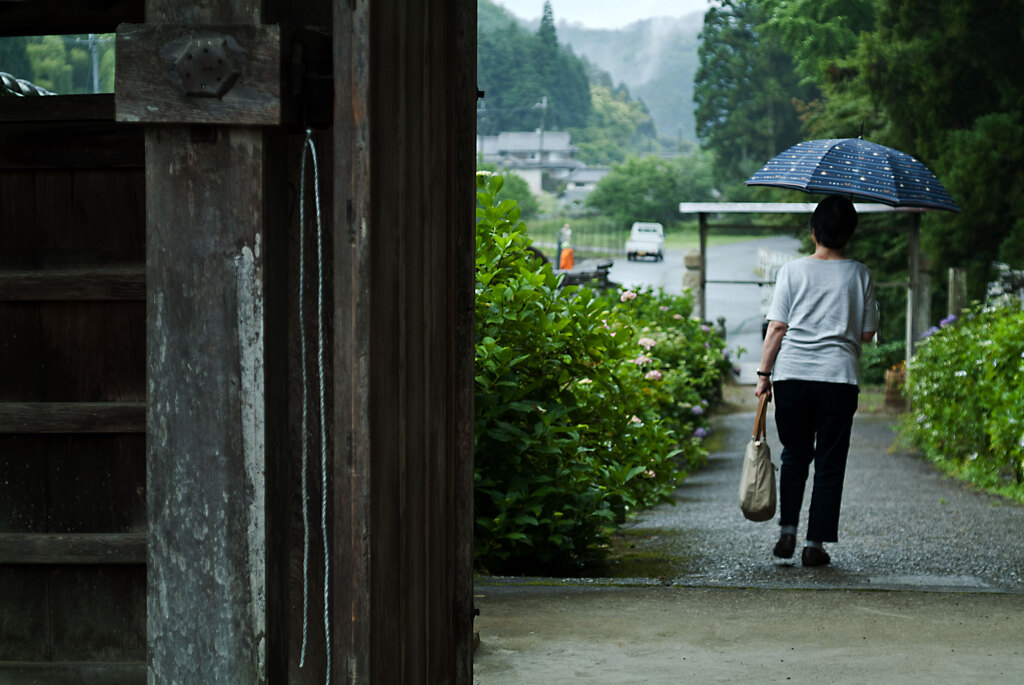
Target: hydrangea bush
966, 385
588, 406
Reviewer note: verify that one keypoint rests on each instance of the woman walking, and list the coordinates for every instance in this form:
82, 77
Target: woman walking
822, 311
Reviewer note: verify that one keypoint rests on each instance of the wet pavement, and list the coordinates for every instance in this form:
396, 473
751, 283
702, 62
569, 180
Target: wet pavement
926, 585
903, 525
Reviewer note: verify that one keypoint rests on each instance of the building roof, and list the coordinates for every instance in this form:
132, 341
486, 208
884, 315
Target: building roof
508, 142
587, 174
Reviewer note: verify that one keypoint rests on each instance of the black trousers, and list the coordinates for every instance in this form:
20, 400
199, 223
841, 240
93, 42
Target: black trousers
814, 420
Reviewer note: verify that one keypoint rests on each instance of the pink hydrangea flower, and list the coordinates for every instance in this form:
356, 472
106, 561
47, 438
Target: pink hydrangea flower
653, 375
627, 296
642, 359
646, 343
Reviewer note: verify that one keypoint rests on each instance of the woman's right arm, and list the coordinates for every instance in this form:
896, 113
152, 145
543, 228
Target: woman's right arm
769, 351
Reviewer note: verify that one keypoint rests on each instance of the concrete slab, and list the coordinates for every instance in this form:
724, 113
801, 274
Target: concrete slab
597, 635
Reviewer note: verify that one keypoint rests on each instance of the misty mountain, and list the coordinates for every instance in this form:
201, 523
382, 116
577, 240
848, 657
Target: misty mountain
655, 58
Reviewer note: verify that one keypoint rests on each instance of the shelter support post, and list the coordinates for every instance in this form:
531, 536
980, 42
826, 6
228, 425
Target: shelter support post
918, 289
700, 299
956, 300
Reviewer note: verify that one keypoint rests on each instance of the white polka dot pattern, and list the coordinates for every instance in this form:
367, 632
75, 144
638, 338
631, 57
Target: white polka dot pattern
857, 168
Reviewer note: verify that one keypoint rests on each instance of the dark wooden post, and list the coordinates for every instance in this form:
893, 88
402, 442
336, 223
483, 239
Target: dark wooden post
403, 314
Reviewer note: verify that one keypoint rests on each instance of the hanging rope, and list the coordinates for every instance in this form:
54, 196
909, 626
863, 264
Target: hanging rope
305, 409
305, 403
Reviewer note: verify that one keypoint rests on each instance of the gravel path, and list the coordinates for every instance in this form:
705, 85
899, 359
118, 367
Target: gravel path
903, 525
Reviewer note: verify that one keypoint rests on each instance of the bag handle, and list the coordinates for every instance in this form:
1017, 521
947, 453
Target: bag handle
760, 419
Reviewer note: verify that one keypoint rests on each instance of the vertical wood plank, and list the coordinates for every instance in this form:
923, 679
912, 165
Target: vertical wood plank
461, 166
96, 612
24, 616
18, 234
352, 449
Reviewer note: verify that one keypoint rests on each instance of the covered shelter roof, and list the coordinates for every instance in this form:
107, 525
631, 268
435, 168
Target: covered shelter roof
917, 286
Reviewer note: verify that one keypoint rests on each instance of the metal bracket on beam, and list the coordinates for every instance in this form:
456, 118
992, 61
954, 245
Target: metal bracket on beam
170, 74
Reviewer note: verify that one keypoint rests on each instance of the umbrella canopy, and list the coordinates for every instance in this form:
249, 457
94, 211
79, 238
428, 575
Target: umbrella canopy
858, 168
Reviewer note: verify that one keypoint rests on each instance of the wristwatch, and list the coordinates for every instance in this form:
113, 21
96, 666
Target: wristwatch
766, 374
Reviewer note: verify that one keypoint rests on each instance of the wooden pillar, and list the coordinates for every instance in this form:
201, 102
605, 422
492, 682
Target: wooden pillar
214, 241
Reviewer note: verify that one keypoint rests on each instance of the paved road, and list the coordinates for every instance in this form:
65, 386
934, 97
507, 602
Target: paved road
739, 304
926, 586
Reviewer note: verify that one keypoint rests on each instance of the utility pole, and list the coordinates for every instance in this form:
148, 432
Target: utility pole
543, 104
94, 51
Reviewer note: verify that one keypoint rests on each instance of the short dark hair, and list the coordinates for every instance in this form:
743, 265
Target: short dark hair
834, 221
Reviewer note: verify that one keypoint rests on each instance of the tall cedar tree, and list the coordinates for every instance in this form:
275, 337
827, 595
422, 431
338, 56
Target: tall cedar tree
745, 90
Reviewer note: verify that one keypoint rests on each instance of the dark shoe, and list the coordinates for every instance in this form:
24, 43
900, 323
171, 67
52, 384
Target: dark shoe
785, 546
815, 556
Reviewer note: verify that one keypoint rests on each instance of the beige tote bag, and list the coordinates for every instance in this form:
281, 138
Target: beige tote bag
757, 483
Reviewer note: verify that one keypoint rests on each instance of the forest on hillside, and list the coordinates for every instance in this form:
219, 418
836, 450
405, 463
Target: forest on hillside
532, 80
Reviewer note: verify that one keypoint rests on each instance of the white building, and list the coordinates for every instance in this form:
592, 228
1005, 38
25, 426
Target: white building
530, 154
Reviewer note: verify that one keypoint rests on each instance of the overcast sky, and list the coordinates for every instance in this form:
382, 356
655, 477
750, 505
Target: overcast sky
604, 14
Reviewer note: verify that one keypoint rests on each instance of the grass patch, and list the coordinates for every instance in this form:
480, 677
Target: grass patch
640, 553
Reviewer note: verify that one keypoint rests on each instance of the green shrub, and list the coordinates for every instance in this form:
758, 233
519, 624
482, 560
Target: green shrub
875, 360
966, 385
569, 439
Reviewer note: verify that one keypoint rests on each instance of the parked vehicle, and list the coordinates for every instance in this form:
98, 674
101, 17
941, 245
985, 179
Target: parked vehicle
646, 240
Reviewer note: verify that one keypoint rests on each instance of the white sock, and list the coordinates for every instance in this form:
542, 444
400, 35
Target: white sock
788, 530
813, 543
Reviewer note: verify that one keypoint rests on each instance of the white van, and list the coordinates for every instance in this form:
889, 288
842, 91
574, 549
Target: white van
646, 240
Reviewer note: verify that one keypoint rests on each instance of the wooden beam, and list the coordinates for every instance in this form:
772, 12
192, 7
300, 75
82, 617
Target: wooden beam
57, 108
79, 548
85, 145
63, 17
77, 672
72, 417
223, 74
74, 285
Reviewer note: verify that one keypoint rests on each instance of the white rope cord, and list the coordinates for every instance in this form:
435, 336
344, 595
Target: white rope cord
305, 409
322, 402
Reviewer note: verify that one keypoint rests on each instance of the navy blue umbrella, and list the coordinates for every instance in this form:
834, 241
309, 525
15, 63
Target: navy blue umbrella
857, 168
